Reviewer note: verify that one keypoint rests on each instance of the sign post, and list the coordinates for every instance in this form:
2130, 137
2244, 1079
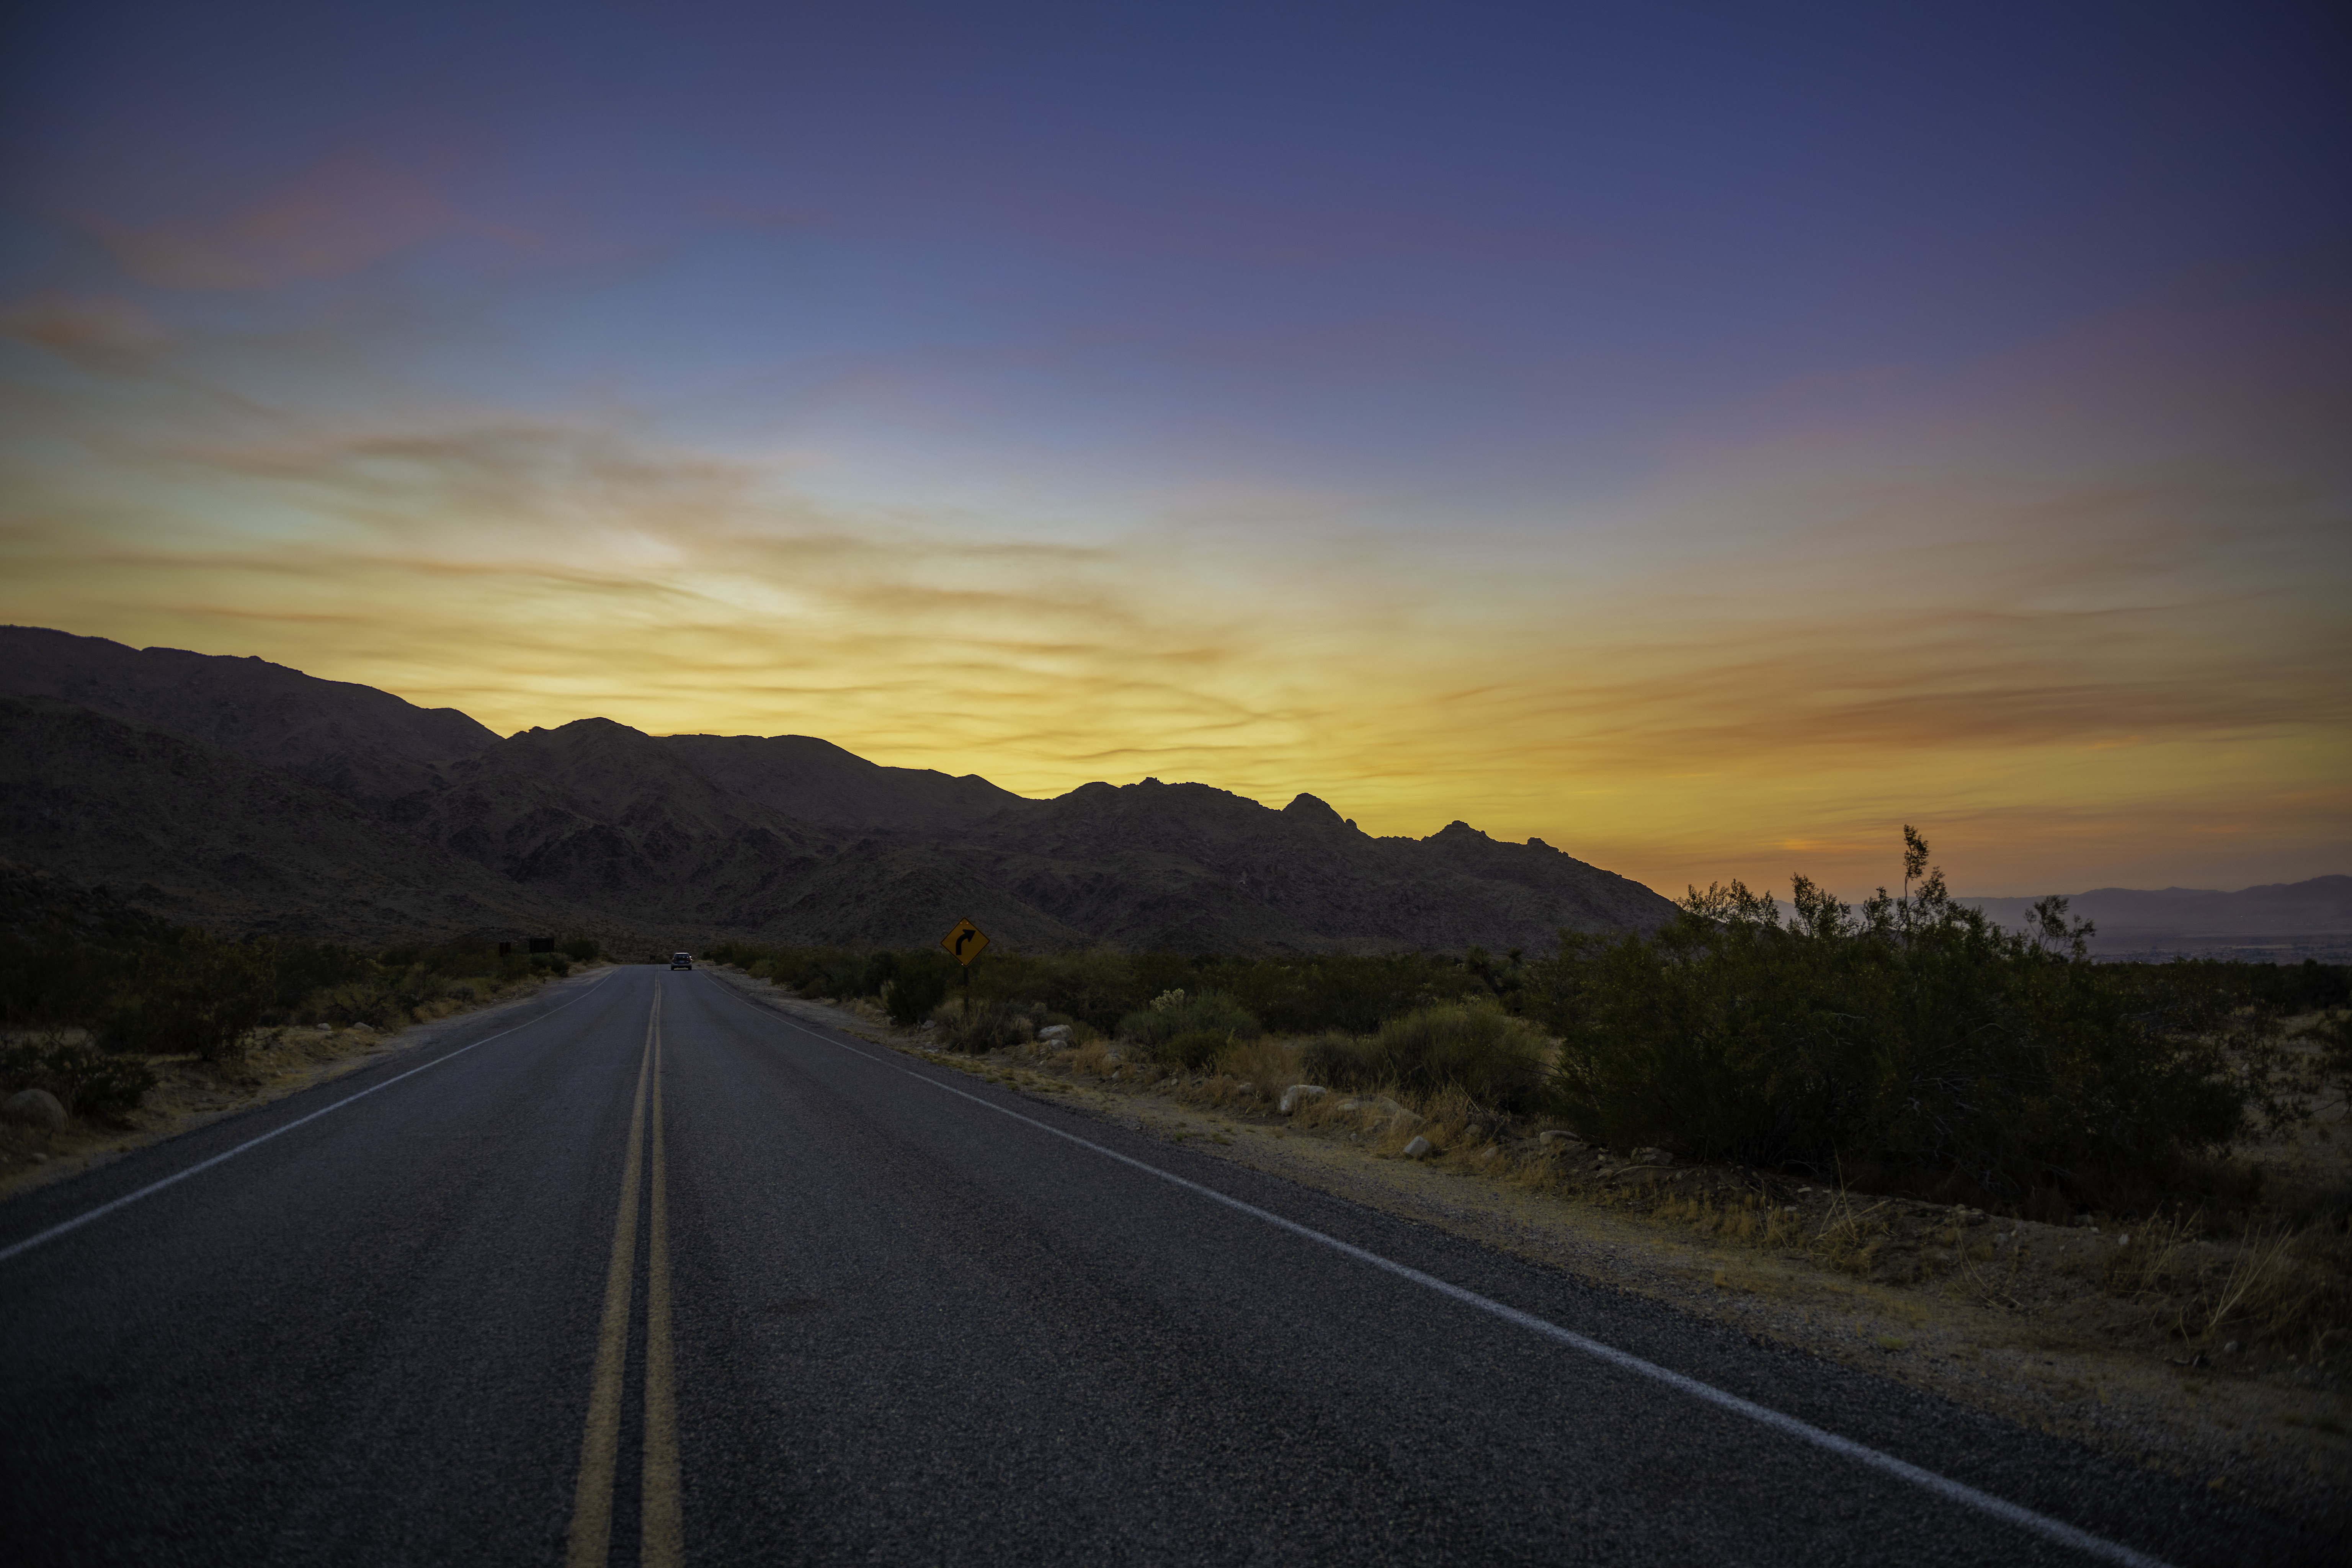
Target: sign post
964, 944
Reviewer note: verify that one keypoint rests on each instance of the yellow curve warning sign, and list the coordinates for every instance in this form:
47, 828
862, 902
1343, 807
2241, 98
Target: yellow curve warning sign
966, 942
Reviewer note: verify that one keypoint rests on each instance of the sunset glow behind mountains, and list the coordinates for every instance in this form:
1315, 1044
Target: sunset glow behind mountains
1703, 437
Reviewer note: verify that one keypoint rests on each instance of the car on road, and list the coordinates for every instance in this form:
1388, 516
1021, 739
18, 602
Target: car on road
681, 961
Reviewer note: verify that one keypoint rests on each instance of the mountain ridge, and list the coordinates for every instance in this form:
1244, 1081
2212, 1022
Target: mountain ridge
2314, 913
595, 824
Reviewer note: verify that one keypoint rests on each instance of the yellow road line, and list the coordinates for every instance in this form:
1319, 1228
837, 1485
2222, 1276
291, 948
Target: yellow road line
590, 1540
664, 1543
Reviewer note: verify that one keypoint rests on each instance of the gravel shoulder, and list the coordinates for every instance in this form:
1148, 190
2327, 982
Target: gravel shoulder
2015, 1333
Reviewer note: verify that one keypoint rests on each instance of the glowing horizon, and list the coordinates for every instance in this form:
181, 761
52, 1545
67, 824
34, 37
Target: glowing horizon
1703, 454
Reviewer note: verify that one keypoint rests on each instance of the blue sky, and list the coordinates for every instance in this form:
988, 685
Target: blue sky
1703, 437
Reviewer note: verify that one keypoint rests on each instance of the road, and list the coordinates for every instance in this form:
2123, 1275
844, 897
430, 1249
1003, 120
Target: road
645, 1272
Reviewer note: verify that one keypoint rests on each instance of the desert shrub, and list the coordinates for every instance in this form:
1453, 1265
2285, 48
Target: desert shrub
2334, 1037
1918, 1037
1102, 986
982, 1026
829, 971
1351, 992
1173, 1015
1097, 987
1340, 1061
1194, 1050
919, 984
193, 995
86, 1080
580, 949
1497, 1061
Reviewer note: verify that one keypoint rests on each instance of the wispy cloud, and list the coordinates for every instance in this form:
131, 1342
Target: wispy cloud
2022, 671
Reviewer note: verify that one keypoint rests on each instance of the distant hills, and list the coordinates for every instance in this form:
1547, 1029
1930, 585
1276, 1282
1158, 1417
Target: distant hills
2277, 920
250, 798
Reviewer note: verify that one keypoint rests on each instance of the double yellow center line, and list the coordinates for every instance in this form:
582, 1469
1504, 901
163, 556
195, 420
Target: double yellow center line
591, 1537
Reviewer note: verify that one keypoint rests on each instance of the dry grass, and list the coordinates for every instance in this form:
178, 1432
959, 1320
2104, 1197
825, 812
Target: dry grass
2162, 1252
2257, 1284
1852, 1235
1995, 1282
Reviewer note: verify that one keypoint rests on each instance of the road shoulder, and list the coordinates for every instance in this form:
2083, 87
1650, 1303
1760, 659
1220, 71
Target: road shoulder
2265, 1438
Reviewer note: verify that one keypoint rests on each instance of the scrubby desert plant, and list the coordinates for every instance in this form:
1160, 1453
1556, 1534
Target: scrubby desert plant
1195, 1049
919, 984
1918, 1037
86, 1080
1188, 1029
1340, 1061
193, 995
1477, 1048
975, 1027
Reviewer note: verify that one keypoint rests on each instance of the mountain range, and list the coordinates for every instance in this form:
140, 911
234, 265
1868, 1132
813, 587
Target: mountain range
2278, 920
252, 798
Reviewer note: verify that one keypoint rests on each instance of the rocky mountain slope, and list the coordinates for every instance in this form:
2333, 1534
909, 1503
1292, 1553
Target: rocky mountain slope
249, 796
355, 740
202, 835
1189, 868
817, 782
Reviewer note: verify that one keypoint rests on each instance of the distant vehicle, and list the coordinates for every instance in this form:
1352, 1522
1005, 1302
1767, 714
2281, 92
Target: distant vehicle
681, 961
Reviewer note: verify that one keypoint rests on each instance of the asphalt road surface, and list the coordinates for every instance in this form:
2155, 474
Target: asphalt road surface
644, 1271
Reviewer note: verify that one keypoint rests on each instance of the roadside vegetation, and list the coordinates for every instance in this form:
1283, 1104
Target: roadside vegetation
1907, 1042
1877, 1059
87, 1019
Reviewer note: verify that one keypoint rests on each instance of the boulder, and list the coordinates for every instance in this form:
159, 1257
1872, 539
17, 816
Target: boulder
34, 1107
1652, 1157
1570, 1141
1299, 1094
1057, 1033
1420, 1149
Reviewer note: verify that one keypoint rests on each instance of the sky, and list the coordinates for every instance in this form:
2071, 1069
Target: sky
1707, 437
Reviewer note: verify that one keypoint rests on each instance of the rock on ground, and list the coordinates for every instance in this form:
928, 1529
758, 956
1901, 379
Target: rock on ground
35, 1107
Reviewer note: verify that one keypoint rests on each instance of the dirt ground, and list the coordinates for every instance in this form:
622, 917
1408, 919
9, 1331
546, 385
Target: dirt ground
2217, 1355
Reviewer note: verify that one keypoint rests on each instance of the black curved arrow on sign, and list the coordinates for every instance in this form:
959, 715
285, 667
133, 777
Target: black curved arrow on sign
963, 936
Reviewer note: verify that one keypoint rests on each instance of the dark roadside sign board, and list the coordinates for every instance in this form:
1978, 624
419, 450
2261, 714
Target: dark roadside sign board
964, 944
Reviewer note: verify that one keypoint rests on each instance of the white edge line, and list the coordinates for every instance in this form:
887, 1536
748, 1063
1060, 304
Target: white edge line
151, 1188
2024, 1517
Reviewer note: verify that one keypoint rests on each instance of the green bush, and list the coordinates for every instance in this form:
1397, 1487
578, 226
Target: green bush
580, 949
1176, 1014
919, 984
1102, 986
1496, 1059
1918, 1037
194, 996
1340, 1061
1194, 1050
982, 1026
87, 1081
